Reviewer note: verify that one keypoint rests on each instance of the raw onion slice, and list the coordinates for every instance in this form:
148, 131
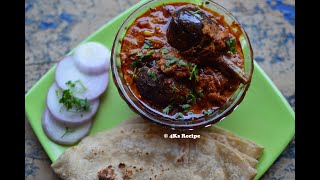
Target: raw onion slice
67, 71
92, 58
71, 117
62, 134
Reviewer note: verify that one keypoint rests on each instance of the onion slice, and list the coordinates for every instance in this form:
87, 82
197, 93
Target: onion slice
67, 71
71, 117
92, 58
62, 134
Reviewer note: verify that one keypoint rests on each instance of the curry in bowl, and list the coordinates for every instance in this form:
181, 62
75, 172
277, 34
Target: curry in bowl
182, 60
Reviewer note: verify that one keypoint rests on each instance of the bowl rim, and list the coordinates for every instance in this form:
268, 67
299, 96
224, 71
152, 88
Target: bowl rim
208, 121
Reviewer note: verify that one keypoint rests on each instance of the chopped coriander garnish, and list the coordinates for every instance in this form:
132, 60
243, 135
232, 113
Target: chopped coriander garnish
207, 112
152, 75
164, 51
191, 98
179, 115
133, 63
81, 84
197, 11
70, 84
66, 98
231, 44
67, 130
181, 63
167, 109
185, 106
233, 50
166, 67
194, 72
70, 101
172, 59
141, 57
188, 111
74, 89
168, 63
147, 44
81, 104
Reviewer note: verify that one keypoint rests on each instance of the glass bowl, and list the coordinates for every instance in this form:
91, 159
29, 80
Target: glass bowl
150, 114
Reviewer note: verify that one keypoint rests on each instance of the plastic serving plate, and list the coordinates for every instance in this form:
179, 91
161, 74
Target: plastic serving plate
264, 116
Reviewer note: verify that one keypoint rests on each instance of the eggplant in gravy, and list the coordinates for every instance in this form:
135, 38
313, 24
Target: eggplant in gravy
182, 60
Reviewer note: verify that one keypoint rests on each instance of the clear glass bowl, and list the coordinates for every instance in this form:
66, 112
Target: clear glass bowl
145, 111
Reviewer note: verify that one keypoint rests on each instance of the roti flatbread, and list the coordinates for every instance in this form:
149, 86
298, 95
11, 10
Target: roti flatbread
243, 145
248, 150
137, 150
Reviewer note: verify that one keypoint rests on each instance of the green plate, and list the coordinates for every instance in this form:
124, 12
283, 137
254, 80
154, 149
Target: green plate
264, 116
